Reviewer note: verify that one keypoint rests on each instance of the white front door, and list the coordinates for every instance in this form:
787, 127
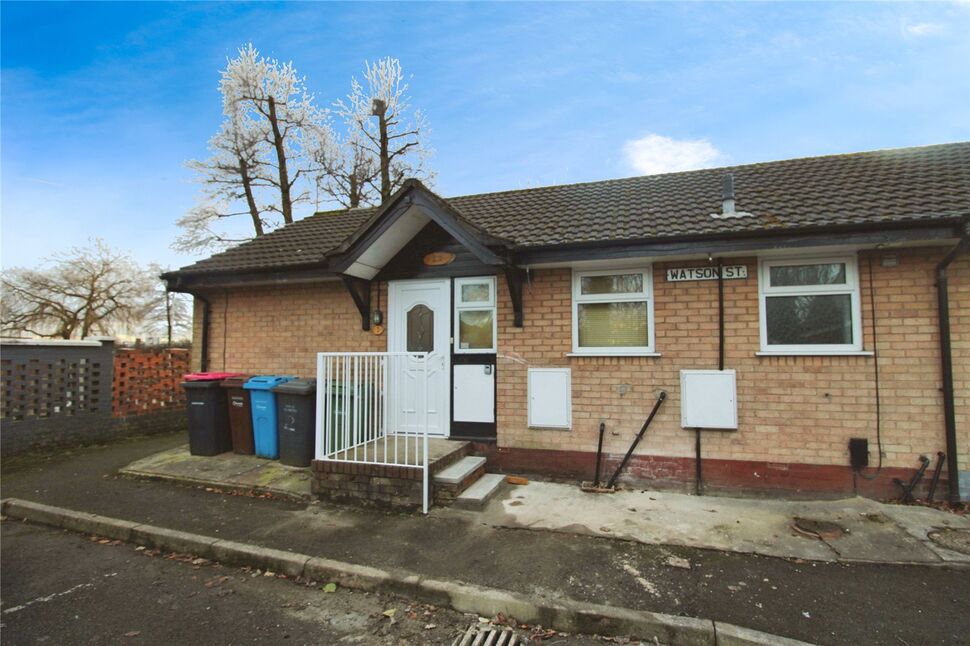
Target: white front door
419, 320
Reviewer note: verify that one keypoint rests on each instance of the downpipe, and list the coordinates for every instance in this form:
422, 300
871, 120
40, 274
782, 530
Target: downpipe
206, 317
946, 364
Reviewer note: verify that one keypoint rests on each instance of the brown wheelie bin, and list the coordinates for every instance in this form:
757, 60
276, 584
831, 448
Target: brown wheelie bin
240, 416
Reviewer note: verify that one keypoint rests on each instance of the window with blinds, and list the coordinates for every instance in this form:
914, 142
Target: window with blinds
613, 312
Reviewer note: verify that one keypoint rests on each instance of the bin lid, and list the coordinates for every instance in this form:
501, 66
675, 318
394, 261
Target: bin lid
266, 382
297, 387
210, 376
235, 382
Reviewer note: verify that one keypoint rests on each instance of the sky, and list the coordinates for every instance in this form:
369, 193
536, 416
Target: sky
101, 105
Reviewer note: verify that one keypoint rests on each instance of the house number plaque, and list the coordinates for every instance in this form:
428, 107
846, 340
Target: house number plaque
439, 258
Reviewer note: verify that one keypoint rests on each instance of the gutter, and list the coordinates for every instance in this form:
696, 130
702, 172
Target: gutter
946, 363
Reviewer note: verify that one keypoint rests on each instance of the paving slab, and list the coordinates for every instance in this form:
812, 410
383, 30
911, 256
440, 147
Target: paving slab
227, 470
876, 532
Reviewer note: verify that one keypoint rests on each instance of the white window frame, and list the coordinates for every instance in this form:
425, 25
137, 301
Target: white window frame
461, 306
645, 295
851, 287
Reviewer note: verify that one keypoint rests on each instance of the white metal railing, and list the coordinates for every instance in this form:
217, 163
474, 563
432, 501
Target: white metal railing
372, 408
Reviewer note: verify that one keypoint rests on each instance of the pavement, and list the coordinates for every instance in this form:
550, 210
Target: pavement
56, 586
821, 601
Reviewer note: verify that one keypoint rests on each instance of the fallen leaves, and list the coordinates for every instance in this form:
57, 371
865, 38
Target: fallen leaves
330, 588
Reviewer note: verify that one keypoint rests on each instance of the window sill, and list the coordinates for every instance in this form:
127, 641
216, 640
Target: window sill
613, 354
815, 353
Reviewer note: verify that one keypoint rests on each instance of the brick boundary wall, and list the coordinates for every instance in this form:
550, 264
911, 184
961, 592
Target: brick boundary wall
147, 380
45, 435
60, 395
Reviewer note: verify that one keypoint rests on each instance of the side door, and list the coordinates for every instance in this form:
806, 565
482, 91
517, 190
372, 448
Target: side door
475, 334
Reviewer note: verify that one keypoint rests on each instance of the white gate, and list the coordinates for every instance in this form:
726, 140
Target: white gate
359, 416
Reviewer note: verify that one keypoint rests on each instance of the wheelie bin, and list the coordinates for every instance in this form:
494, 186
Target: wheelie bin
262, 400
207, 413
240, 414
296, 402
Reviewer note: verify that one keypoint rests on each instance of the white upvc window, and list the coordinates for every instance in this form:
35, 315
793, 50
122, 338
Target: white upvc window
613, 312
475, 325
810, 305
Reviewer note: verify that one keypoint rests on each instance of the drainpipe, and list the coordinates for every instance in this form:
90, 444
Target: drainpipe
946, 361
206, 314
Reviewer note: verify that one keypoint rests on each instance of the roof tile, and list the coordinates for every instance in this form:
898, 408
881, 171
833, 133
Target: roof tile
906, 184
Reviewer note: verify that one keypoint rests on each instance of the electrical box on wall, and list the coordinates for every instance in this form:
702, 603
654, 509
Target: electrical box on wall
550, 398
708, 399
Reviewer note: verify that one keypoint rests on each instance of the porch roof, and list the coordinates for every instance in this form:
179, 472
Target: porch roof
921, 186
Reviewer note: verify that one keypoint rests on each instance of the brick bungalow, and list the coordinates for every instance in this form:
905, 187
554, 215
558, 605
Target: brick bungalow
842, 306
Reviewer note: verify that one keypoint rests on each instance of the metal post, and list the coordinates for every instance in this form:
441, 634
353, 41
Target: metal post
425, 407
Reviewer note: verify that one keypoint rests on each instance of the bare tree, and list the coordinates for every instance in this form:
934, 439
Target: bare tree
271, 93
82, 292
379, 109
231, 178
168, 314
345, 172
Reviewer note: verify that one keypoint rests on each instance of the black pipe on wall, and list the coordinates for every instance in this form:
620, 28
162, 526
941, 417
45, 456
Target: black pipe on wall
946, 364
204, 345
698, 474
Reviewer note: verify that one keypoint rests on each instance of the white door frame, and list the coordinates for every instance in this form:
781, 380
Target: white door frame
440, 359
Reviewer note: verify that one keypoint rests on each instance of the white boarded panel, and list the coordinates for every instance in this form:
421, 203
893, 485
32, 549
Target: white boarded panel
550, 398
708, 399
474, 389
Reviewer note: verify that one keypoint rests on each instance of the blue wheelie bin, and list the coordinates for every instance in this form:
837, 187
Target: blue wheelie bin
263, 404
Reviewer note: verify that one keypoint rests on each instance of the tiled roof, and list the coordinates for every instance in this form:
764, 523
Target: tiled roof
888, 186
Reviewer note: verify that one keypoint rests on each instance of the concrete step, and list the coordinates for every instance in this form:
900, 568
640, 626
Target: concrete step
476, 496
459, 471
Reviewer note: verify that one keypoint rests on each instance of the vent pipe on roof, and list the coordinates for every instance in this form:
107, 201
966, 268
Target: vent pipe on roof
727, 201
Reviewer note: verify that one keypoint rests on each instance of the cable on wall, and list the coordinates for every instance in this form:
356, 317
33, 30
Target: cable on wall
875, 365
225, 327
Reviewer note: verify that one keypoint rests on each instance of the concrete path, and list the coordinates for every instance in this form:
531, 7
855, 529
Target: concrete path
874, 532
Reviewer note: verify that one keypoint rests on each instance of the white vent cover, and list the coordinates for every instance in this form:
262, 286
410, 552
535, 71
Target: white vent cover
708, 399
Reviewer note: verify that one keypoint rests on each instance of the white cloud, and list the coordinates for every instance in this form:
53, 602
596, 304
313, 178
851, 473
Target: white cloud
658, 154
921, 29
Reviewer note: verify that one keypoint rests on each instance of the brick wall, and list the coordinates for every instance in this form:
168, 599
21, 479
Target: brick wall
276, 330
792, 410
148, 380
46, 435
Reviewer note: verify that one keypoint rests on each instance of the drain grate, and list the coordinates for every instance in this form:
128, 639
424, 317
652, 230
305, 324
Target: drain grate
487, 635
